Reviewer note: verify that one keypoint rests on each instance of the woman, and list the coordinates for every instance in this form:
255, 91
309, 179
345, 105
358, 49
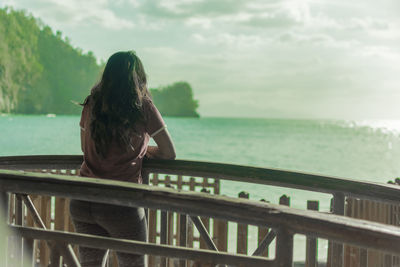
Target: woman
118, 119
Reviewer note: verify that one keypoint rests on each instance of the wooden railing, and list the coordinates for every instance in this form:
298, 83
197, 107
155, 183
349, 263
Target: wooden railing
340, 229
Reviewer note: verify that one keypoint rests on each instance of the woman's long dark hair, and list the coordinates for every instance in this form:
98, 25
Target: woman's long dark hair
116, 102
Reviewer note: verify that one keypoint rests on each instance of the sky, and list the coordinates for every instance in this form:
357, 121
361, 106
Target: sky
334, 59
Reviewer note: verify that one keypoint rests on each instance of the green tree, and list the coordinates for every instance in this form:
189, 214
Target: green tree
40, 72
175, 100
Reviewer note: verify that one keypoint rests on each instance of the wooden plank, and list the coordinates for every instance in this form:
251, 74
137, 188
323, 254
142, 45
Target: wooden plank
346, 247
4, 209
203, 233
354, 251
364, 215
139, 247
152, 222
265, 242
373, 255
164, 234
261, 233
216, 186
337, 248
221, 234
182, 236
311, 242
190, 224
284, 248
242, 232
276, 177
44, 214
206, 222
18, 249
59, 222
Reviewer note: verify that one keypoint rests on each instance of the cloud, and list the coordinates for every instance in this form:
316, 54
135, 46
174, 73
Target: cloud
173, 9
76, 12
292, 57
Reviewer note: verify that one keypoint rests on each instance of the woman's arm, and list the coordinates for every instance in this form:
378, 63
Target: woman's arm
165, 148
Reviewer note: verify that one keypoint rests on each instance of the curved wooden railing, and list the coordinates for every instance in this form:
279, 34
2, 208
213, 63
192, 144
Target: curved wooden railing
276, 177
285, 221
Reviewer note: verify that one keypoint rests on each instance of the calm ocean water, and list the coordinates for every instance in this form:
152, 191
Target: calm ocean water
364, 150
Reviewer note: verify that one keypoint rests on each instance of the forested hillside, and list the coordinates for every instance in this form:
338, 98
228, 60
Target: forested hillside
40, 72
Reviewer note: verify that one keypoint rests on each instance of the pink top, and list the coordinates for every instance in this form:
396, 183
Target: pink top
119, 164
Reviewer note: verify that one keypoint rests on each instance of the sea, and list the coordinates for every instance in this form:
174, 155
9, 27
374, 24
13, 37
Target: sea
367, 150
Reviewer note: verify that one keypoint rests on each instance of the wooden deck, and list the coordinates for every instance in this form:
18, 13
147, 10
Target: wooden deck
199, 207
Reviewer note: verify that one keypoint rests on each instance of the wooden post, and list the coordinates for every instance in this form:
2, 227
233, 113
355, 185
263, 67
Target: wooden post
183, 236
164, 232
337, 248
346, 247
373, 255
152, 223
4, 209
192, 184
45, 214
262, 232
363, 215
284, 200
206, 223
59, 223
221, 234
19, 216
312, 242
284, 248
242, 231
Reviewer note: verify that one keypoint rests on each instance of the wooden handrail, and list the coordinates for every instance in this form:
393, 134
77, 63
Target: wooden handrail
328, 226
283, 178
132, 246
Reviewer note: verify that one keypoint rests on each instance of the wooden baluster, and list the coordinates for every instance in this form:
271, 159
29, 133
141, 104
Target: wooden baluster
170, 224
262, 232
337, 248
183, 236
312, 242
221, 234
164, 227
19, 215
153, 224
60, 214
373, 254
242, 231
4, 217
355, 251
346, 247
45, 214
192, 184
381, 219
190, 237
364, 215
206, 223
388, 261
284, 248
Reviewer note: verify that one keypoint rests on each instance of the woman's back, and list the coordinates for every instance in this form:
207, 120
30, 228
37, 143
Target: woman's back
120, 163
